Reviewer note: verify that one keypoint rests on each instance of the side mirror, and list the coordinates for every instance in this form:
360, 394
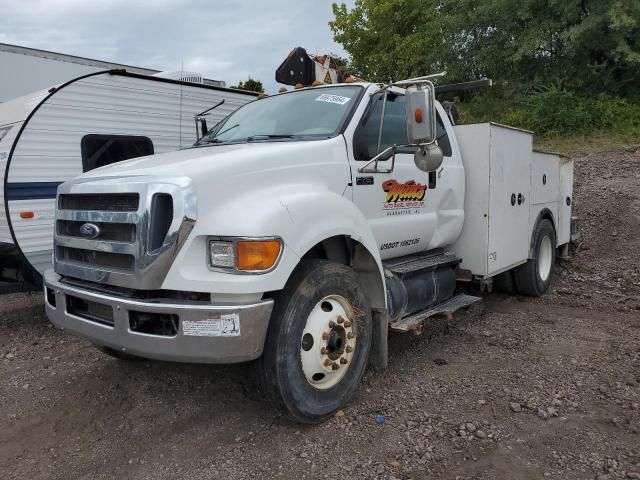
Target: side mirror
428, 157
421, 114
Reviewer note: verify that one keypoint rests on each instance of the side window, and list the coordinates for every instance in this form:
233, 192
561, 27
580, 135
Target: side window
365, 141
394, 130
100, 150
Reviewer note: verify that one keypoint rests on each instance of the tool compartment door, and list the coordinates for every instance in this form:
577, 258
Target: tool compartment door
545, 178
509, 197
566, 201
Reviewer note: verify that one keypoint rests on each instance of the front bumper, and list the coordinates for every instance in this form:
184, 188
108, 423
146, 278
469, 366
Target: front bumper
201, 336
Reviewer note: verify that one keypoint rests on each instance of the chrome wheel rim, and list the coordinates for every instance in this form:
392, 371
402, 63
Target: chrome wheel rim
328, 342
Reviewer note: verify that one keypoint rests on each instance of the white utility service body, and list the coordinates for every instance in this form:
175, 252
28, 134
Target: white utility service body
53, 135
509, 186
314, 196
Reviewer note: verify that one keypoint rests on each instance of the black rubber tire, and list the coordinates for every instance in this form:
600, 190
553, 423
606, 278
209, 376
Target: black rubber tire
280, 367
526, 277
119, 355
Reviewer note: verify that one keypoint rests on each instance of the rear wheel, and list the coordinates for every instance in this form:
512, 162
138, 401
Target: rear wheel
534, 277
318, 341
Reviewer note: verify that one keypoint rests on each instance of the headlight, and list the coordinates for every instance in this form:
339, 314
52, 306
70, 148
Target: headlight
245, 255
222, 254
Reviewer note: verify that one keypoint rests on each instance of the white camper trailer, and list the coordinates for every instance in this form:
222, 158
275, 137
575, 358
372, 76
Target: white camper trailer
51, 136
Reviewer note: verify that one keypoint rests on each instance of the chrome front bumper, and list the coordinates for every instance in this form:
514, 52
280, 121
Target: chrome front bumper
203, 334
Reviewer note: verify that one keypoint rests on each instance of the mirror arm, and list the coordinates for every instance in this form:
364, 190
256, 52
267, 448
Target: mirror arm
376, 159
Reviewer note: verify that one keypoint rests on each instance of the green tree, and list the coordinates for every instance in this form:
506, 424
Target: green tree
587, 46
251, 85
389, 39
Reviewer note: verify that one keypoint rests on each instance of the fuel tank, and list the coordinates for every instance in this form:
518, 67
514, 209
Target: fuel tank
417, 282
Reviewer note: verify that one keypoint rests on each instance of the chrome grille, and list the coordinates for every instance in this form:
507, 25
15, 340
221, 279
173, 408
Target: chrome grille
123, 232
112, 202
118, 232
94, 258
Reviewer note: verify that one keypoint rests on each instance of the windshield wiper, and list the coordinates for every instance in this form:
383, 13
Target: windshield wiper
268, 137
217, 140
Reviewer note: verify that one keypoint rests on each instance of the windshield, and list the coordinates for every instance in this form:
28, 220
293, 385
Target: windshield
313, 113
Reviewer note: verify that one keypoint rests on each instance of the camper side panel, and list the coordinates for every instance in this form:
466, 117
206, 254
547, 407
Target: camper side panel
8, 134
49, 150
12, 115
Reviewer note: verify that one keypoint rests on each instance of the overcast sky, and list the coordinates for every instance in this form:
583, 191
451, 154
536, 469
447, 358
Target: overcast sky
224, 40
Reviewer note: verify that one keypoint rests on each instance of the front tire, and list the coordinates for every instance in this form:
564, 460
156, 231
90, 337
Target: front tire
534, 277
318, 341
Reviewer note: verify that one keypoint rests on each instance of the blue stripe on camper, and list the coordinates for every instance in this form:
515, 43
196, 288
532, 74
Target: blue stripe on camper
31, 190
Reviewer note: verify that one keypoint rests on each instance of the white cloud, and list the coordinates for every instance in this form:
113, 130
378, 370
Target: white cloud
223, 39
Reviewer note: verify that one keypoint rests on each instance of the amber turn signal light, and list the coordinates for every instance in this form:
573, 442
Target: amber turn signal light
257, 255
418, 115
27, 215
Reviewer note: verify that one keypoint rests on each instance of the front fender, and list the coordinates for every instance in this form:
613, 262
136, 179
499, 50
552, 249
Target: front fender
302, 214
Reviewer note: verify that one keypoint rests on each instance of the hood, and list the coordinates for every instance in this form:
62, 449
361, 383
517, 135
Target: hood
234, 158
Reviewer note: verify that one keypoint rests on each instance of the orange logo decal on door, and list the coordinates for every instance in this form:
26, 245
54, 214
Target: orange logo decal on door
399, 192
403, 196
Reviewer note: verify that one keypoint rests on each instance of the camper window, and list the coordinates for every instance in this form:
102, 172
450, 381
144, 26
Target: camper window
101, 150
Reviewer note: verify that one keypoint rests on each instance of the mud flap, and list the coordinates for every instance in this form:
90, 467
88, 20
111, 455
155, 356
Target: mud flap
378, 356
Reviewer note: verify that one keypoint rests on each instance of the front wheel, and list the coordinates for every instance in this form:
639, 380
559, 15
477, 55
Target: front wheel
318, 341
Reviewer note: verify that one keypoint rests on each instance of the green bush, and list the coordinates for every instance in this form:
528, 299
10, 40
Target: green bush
518, 118
555, 112
618, 115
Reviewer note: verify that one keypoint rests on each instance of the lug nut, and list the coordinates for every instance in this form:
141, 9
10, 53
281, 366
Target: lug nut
340, 320
325, 336
328, 363
335, 366
349, 349
323, 351
347, 324
332, 324
350, 335
344, 361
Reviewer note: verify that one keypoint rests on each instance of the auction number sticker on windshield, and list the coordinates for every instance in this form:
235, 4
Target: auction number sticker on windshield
325, 97
215, 326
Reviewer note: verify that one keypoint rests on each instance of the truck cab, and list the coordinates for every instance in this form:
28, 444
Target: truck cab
297, 231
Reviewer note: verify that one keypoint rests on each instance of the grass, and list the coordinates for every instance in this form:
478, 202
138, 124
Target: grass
567, 122
573, 145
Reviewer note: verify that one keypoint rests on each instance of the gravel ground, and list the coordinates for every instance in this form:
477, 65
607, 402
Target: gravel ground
522, 388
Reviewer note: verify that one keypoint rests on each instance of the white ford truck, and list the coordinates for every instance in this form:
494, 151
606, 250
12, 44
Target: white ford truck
300, 230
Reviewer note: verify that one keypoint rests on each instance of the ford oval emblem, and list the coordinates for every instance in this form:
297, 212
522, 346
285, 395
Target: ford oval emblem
89, 230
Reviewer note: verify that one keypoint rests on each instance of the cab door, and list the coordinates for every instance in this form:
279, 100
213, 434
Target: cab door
399, 206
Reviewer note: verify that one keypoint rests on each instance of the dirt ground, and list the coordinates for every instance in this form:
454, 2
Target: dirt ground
531, 388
